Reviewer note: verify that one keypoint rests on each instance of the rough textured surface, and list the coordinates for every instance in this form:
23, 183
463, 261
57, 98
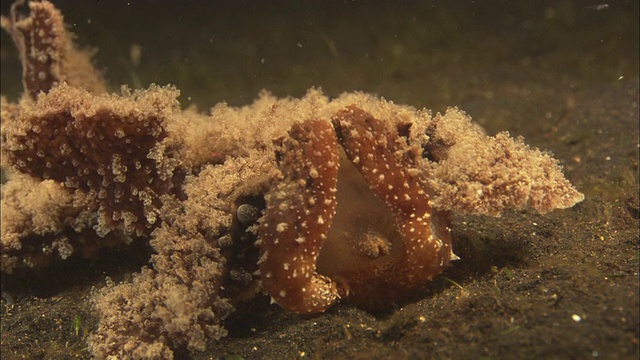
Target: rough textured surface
548, 71
49, 58
300, 208
480, 175
178, 303
123, 154
389, 164
99, 149
41, 221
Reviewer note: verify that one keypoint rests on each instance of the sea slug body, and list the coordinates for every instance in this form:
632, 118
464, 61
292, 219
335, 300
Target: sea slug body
301, 207
294, 227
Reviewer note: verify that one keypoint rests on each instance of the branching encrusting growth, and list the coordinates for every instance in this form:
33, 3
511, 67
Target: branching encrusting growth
474, 173
99, 145
342, 200
179, 301
41, 220
48, 55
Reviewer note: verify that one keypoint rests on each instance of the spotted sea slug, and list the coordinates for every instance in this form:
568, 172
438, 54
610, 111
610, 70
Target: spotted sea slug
397, 244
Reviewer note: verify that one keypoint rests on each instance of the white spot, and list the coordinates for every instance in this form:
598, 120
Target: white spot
313, 173
282, 293
285, 266
264, 257
320, 220
282, 227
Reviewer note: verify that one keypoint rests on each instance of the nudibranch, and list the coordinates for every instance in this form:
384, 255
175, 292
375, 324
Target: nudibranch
349, 216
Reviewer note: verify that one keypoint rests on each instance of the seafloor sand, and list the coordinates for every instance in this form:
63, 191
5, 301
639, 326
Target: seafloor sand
562, 74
